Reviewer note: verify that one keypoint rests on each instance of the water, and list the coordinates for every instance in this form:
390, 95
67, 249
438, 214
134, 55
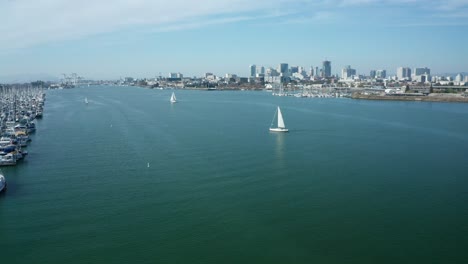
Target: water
353, 181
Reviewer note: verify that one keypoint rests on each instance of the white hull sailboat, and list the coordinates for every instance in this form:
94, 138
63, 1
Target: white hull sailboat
280, 122
86, 100
173, 98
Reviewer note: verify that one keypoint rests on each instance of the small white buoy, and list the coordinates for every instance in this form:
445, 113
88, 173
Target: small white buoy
148, 164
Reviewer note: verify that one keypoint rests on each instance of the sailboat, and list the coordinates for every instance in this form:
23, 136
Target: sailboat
173, 98
281, 127
86, 100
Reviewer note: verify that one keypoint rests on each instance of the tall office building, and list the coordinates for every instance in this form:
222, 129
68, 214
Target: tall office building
253, 70
260, 71
271, 72
372, 74
294, 69
347, 72
326, 68
404, 73
421, 71
283, 69
311, 72
176, 75
381, 74
300, 69
422, 75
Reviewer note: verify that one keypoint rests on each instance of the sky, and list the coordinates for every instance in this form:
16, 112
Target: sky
109, 39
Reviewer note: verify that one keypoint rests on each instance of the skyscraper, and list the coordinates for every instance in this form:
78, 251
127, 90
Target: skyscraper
380, 74
283, 69
253, 70
347, 72
271, 72
421, 71
301, 70
294, 69
404, 73
422, 74
326, 68
372, 74
260, 71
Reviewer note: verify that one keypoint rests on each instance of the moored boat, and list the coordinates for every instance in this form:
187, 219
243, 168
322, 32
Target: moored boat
2, 182
19, 107
8, 160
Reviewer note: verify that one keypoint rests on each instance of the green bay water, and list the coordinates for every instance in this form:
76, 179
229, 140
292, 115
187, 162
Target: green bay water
130, 178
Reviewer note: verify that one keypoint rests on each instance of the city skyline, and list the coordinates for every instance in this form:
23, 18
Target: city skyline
107, 40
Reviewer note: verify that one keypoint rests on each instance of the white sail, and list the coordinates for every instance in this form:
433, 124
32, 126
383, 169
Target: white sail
280, 119
281, 127
173, 98
86, 100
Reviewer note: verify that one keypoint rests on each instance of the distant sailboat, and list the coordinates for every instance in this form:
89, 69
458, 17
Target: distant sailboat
86, 100
280, 125
173, 98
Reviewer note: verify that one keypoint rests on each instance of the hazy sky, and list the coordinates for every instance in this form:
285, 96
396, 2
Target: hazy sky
140, 38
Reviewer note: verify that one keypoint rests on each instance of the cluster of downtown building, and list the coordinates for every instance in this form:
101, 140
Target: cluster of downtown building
284, 74
405, 74
349, 75
259, 76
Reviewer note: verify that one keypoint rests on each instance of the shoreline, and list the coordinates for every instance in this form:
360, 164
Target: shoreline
422, 98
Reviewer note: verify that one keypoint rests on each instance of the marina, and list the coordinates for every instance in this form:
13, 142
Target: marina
309, 91
20, 107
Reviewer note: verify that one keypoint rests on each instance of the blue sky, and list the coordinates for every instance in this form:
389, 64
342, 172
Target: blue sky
111, 39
